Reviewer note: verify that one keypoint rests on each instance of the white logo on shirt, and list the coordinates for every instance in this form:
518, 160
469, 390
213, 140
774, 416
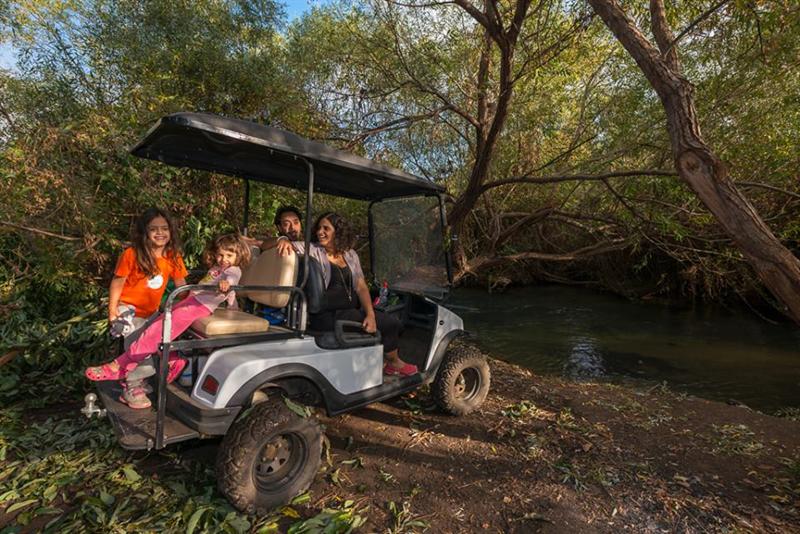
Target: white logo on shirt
155, 282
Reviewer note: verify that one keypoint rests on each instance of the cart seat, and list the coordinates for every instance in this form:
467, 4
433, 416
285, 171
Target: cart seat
268, 269
229, 322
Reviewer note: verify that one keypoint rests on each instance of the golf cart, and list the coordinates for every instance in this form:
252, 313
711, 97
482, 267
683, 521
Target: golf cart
252, 380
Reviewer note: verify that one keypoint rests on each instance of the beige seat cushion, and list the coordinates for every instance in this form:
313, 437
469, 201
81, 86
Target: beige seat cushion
229, 322
270, 269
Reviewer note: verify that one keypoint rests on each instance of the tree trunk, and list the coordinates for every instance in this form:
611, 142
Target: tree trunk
696, 163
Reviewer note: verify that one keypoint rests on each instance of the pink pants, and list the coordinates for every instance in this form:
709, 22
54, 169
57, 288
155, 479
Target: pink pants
183, 315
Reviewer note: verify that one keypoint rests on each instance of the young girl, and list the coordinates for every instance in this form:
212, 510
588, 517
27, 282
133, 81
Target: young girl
143, 270
226, 255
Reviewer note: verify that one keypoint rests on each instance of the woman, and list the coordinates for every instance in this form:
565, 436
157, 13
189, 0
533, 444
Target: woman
346, 289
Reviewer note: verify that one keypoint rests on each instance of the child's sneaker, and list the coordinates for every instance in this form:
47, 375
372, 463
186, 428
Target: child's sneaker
135, 397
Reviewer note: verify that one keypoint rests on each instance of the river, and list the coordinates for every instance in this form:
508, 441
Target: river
707, 351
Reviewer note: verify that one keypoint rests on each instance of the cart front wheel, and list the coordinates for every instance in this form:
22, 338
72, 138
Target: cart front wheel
463, 380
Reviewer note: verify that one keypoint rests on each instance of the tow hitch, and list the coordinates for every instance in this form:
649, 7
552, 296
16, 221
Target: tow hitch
91, 408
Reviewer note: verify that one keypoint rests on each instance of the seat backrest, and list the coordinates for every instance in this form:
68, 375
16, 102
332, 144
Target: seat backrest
270, 269
315, 286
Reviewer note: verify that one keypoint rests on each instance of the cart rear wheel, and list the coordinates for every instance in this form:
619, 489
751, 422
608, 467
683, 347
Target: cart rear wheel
463, 380
268, 457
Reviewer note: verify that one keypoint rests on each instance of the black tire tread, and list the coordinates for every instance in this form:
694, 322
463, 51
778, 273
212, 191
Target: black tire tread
233, 457
459, 356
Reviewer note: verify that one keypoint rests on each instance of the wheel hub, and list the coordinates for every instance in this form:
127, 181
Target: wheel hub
278, 461
467, 384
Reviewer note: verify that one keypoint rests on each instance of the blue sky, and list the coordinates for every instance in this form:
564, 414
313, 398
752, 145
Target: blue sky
294, 8
6, 56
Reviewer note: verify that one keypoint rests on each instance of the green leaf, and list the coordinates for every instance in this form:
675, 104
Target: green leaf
47, 510
239, 523
192, 524
50, 493
268, 528
19, 505
131, 474
299, 409
107, 498
302, 498
9, 495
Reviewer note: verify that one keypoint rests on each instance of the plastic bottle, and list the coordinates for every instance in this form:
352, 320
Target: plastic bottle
383, 295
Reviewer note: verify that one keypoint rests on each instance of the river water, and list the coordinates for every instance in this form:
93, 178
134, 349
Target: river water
708, 352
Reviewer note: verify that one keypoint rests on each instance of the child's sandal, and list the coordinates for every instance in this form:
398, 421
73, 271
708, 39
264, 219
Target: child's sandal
104, 372
176, 365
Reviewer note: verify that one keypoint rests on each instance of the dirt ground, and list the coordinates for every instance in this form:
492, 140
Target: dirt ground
542, 455
548, 455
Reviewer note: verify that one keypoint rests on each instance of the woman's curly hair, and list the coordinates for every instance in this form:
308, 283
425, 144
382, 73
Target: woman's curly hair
232, 243
344, 237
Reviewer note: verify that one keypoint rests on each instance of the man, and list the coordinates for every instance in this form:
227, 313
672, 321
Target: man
289, 223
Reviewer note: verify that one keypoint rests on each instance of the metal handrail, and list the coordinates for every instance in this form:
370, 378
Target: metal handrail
166, 341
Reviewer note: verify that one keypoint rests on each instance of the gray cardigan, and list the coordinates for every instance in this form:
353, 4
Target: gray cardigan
318, 252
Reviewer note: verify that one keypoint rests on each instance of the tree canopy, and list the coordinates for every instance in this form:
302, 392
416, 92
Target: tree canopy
549, 138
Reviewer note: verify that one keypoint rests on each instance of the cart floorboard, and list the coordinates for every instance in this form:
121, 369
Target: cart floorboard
136, 429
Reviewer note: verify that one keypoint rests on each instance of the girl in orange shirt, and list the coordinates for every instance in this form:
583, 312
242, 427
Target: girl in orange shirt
140, 279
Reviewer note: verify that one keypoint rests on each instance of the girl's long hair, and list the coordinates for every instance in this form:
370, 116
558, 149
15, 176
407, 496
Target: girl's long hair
144, 255
232, 242
344, 237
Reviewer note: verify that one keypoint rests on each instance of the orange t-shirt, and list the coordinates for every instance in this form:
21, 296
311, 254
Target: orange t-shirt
142, 292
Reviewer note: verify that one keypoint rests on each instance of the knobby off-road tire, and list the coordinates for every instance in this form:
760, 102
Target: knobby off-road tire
268, 457
463, 380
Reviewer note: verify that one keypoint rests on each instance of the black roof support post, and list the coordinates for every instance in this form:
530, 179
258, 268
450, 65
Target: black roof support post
246, 219
448, 244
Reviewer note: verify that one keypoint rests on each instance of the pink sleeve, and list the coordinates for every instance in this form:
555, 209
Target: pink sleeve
232, 275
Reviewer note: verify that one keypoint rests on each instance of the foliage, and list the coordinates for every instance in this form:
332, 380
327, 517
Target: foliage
383, 79
372, 78
64, 473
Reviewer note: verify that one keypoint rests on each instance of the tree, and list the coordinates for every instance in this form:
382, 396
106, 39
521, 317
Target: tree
696, 162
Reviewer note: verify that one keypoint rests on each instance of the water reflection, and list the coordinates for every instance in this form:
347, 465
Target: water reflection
584, 360
708, 352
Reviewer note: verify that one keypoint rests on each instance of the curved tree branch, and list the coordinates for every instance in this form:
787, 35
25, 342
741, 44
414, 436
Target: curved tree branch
484, 262
576, 177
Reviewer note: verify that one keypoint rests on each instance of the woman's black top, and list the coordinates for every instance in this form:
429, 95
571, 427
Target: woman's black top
340, 294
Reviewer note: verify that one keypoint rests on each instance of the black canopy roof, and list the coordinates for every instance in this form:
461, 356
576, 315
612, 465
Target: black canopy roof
250, 150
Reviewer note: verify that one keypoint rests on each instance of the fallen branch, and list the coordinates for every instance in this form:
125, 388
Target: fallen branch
8, 356
11, 354
40, 232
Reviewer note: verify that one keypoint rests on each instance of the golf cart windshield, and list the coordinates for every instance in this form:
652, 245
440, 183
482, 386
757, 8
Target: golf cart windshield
408, 245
